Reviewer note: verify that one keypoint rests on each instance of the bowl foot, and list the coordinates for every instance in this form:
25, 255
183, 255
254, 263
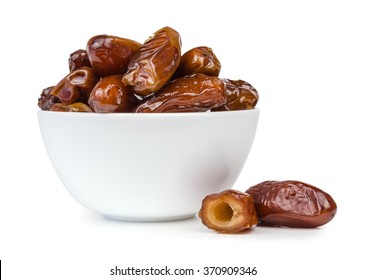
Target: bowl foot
149, 219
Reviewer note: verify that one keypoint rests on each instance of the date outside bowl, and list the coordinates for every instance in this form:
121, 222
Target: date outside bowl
147, 167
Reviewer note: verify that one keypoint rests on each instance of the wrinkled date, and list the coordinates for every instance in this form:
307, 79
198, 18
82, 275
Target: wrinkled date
195, 93
76, 86
228, 212
78, 59
292, 204
198, 60
155, 62
110, 95
110, 55
46, 100
240, 96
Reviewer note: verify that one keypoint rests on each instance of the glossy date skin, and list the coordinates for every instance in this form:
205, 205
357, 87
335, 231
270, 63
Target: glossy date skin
78, 59
292, 204
76, 86
110, 55
198, 60
240, 96
195, 93
110, 95
155, 62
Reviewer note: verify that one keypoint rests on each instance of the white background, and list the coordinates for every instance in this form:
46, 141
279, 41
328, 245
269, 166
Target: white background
307, 59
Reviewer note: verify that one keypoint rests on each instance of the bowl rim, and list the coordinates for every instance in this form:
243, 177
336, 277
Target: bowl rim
149, 115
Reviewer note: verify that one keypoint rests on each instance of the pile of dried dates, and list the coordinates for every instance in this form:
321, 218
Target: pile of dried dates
278, 203
115, 74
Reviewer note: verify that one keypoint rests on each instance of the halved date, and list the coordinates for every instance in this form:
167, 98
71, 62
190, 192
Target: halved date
292, 204
228, 212
195, 93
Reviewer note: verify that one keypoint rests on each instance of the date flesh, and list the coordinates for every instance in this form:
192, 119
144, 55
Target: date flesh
292, 204
195, 93
110, 95
155, 62
240, 96
110, 55
198, 60
228, 212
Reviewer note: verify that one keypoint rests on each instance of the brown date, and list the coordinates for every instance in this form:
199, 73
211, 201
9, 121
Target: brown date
198, 60
195, 93
240, 96
46, 100
110, 55
292, 204
155, 62
228, 212
76, 86
110, 95
74, 107
78, 59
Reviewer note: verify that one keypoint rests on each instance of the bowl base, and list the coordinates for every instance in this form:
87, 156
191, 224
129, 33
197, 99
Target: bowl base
149, 219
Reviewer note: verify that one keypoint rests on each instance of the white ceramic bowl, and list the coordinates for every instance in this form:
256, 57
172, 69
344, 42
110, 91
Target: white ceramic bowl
147, 167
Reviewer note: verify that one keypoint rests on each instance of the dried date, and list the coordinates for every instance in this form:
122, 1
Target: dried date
110, 95
240, 96
76, 86
195, 93
46, 100
198, 60
292, 204
110, 55
78, 59
155, 62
